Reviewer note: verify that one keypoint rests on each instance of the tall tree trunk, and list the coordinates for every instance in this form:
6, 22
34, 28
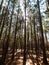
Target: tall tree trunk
20, 37
5, 15
1, 17
46, 39
35, 40
2, 26
15, 43
24, 59
28, 40
5, 50
3, 44
12, 58
43, 45
38, 44
2, 10
31, 38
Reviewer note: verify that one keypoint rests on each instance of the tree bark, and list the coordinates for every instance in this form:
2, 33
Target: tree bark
4, 18
24, 59
35, 40
43, 45
5, 50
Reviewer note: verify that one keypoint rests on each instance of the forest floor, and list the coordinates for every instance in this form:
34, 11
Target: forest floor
18, 57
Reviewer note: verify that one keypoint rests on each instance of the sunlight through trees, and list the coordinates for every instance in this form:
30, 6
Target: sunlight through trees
24, 32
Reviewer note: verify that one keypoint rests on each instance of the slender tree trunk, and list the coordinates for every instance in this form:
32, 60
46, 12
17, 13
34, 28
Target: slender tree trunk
2, 26
3, 44
38, 44
5, 50
31, 39
2, 11
1, 18
36, 48
5, 15
4, 47
28, 40
12, 58
20, 37
43, 45
24, 59
15, 43
46, 39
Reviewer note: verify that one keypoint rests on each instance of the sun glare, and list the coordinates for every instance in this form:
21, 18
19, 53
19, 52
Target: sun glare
27, 63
